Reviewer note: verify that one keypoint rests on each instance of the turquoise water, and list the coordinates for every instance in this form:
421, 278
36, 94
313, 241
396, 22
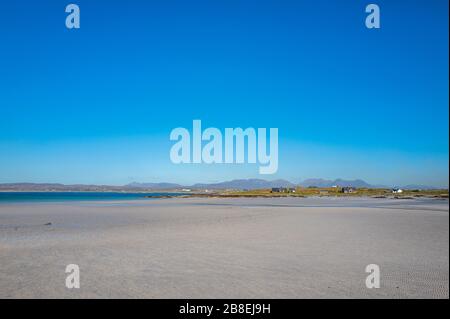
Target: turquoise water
13, 197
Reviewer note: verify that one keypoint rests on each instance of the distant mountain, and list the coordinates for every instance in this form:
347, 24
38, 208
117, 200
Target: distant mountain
135, 186
153, 185
233, 184
246, 184
355, 183
319, 182
316, 182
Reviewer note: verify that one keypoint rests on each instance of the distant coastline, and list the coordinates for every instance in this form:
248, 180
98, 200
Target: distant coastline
242, 188
56, 196
232, 185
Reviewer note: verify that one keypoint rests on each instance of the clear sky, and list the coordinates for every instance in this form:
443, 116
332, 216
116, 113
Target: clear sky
97, 104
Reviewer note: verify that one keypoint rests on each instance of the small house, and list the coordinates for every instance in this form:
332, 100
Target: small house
348, 189
282, 190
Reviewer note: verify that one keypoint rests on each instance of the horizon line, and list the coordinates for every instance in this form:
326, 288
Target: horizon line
233, 180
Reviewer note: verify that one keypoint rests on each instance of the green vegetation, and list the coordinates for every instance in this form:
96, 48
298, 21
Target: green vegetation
337, 191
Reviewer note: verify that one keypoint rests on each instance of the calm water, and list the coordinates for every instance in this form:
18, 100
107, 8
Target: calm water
12, 197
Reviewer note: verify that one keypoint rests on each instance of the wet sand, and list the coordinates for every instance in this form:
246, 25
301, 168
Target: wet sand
226, 248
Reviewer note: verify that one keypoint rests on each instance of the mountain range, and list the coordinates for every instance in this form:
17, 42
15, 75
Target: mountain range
319, 182
233, 184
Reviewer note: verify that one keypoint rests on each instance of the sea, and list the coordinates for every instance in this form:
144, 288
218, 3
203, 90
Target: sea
18, 197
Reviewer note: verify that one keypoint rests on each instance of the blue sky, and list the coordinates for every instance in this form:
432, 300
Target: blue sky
97, 104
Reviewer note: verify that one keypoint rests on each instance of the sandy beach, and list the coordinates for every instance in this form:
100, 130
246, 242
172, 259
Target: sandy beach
226, 248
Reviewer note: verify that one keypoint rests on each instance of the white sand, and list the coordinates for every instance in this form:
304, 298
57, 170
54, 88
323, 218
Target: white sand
226, 248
